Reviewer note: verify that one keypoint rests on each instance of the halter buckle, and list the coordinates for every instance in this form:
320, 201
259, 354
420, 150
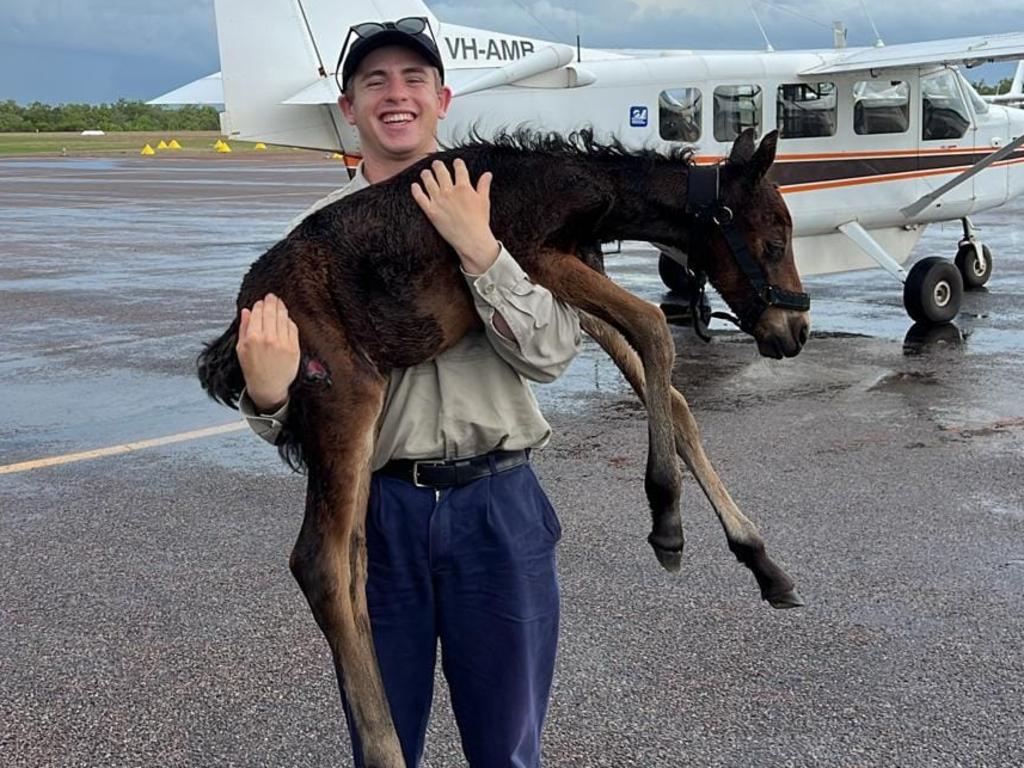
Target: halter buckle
722, 215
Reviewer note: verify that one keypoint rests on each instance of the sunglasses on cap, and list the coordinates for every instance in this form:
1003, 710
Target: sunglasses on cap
410, 25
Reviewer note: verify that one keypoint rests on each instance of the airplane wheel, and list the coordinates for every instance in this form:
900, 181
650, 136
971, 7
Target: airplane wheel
674, 275
933, 291
970, 268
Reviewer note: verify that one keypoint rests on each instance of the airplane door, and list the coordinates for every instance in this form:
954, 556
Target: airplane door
992, 132
947, 142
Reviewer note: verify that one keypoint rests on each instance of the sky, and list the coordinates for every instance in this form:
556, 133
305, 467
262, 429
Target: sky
98, 51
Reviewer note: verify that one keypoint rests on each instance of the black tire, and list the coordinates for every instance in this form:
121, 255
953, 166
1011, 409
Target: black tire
933, 291
970, 269
674, 275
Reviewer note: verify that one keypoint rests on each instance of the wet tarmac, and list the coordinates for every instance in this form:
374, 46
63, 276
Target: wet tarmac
147, 616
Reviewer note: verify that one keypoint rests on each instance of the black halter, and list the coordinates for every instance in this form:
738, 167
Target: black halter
704, 203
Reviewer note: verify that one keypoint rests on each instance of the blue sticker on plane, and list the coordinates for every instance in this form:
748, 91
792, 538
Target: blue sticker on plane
638, 117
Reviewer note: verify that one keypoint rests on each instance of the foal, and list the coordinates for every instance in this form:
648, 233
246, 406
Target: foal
372, 286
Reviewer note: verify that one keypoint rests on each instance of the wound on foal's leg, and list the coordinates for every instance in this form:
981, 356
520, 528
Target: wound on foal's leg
314, 370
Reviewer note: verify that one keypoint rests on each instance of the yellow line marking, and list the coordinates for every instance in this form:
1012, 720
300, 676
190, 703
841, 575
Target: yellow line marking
115, 450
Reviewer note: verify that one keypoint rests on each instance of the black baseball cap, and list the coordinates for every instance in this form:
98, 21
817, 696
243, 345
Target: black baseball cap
412, 33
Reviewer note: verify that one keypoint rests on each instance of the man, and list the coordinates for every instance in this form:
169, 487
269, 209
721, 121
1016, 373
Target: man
462, 555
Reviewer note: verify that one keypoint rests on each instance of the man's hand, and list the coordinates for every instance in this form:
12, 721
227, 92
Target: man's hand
460, 213
268, 351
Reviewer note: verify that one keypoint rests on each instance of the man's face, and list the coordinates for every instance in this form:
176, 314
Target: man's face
395, 104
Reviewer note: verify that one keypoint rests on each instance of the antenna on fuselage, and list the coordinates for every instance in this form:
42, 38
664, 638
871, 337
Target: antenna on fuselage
757, 20
879, 42
579, 49
838, 35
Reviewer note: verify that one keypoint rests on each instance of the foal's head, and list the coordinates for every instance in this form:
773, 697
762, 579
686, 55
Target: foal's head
770, 304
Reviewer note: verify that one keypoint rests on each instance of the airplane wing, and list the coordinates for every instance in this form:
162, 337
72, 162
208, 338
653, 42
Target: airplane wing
205, 90
1016, 93
968, 51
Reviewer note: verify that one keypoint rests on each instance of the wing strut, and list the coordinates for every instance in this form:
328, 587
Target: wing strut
915, 208
863, 240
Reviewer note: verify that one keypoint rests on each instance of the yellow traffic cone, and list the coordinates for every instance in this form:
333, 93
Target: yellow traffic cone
162, 144
173, 144
260, 146
218, 144
147, 150
223, 147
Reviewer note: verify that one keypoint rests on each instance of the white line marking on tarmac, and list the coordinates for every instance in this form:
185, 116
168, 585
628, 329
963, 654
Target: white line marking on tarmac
115, 450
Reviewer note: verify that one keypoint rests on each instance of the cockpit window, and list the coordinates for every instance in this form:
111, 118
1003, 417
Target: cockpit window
979, 104
944, 112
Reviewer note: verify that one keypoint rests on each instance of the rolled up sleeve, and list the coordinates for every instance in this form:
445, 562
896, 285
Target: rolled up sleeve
546, 330
266, 425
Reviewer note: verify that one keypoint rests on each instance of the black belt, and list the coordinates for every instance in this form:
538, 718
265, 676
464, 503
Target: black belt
430, 473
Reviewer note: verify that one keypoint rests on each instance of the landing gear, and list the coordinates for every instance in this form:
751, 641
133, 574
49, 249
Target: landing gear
974, 269
973, 259
933, 291
934, 287
674, 275
690, 287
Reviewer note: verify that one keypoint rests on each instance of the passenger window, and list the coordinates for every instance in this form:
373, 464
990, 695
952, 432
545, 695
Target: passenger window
881, 106
805, 110
737, 107
679, 112
943, 110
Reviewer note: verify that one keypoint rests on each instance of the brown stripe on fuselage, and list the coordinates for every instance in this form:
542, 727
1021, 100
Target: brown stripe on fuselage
824, 170
790, 173
879, 178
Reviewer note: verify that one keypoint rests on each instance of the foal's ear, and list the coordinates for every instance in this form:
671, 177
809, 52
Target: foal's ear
765, 156
743, 148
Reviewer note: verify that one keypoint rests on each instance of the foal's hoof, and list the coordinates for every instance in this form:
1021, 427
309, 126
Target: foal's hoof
671, 559
790, 599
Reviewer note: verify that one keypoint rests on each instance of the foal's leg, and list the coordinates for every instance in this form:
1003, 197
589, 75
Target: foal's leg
571, 280
742, 535
329, 557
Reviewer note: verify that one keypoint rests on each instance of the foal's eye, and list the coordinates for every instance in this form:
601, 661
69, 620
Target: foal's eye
774, 250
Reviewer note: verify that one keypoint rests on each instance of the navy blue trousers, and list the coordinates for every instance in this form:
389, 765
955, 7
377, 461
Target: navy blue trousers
474, 569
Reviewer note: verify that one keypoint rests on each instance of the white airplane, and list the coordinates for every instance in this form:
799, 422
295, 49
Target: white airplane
1014, 96
876, 143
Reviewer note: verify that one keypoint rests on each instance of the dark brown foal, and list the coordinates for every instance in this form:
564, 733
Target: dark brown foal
373, 287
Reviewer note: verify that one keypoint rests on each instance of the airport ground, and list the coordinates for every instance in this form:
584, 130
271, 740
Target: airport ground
147, 616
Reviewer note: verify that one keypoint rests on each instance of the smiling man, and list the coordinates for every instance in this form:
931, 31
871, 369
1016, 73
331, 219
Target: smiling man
460, 536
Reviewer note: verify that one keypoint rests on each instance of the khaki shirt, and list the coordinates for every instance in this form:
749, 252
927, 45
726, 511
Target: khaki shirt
474, 397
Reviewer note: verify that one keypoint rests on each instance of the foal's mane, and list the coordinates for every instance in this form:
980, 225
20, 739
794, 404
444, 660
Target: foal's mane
578, 144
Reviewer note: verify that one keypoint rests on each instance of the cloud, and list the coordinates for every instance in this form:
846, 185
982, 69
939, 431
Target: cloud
182, 30
730, 23
64, 49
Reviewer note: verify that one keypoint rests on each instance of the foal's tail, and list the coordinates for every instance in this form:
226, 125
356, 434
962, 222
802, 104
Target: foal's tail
219, 370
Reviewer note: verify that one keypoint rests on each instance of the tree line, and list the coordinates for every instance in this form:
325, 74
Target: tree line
124, 115
987, 90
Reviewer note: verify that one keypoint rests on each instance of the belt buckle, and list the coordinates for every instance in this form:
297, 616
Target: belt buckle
416, 474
